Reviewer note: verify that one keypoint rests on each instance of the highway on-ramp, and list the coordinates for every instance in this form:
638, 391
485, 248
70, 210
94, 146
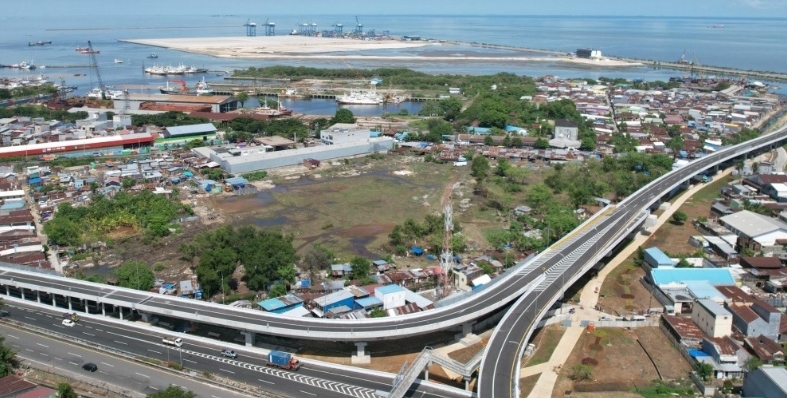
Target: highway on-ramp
500, 367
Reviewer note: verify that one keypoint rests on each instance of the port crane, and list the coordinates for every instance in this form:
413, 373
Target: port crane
94, 65
358, 27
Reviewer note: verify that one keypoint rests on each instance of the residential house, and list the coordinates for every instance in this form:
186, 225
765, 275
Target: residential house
392, 296
767, 350
758, 318
280, 305
725, 355
656, 258
332, 302
566, 134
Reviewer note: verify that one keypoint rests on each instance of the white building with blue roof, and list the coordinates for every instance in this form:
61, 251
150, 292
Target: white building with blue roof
392, 296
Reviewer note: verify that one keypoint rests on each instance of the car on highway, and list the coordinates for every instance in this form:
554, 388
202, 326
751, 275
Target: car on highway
68, 322
4, 314
229, 353
90, 367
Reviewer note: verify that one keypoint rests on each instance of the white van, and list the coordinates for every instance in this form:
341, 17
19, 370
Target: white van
638, 318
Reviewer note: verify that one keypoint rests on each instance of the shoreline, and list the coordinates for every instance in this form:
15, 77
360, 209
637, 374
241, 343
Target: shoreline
317, 48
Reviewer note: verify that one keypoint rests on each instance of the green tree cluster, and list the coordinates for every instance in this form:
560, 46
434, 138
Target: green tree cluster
8, 359
145, 211
41, 111
64, 390
429, 234
266, 256
135, 275
171, 118
244, 129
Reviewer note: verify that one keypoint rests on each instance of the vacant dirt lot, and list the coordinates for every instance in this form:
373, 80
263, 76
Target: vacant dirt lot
622, 292
619, 360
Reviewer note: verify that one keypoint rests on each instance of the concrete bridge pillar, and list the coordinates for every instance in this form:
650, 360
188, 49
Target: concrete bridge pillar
22, 292
716, 169
426, 373
145, 316
467, 382
120, 310
103, 310
54, 303
7, 290
466, 333
84, 304
361, 357
249, 338
69, 303
38, 296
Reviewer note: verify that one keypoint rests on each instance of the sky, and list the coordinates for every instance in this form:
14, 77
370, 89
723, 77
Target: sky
671, 8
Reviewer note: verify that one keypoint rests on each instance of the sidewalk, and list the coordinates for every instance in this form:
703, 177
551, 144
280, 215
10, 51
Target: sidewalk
589, 298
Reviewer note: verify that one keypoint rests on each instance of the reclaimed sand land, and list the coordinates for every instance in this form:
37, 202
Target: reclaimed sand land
304, 47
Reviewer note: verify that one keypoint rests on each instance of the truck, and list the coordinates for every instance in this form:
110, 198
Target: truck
283, 360
177, 342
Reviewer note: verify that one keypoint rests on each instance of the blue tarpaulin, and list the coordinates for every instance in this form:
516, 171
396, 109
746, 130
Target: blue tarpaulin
417, 250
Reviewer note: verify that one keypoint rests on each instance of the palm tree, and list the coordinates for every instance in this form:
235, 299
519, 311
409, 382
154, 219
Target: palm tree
8, 359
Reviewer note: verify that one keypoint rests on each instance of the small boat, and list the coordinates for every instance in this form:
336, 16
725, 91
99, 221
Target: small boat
203, 88
152, 56
118, 61
87, 51
80, 49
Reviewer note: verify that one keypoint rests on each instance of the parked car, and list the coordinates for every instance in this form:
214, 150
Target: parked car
604, 318
4, 314
229, 353
90, 367
68, 322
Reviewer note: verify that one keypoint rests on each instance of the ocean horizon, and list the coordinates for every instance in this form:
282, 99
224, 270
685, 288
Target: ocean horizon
744, 43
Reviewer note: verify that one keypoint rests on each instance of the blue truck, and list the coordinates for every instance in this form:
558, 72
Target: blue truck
283, 360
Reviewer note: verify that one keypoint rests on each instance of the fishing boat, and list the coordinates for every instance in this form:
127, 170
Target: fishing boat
203, 88
167, 89
118, 61
272, 112
152, 56
80, 49
87, 51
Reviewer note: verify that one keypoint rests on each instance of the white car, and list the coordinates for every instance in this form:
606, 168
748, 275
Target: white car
68, 322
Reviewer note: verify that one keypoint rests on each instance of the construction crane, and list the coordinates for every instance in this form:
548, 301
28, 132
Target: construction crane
126, 104
94, 65
682, 59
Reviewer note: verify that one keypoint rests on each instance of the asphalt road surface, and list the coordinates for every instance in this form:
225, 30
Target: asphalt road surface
129, 375
323, 381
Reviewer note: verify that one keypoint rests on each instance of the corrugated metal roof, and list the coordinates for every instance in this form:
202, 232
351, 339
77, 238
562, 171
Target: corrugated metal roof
176, 131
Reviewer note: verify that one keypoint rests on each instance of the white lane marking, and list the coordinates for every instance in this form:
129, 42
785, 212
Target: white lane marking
103, 373
76, 355
157, 352
189, 360
153, 388
59, 359
43, 354
120, 342
89, 334
73, 363
142, 375
27, 349
98, 330
266, 381
12, 336
32, 319
225, 370
45, 346
104, 363
308, 393
89, 327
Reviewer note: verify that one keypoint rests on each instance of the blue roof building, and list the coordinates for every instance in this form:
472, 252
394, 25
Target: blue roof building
334, 300
368, 303
479, 130
656, 258
680, 276
280, 305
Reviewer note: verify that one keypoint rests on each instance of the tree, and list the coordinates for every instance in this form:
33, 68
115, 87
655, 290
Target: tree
320, 258
360, 267
378, 313
704, 370
683, 263
242, 97
541, 143
277, 290
343, 115
679, 217
287, 273
135, 275
488, 141
8, 359
479, 168
581, 372
64, 390
752, 363
172, 392
516, 142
